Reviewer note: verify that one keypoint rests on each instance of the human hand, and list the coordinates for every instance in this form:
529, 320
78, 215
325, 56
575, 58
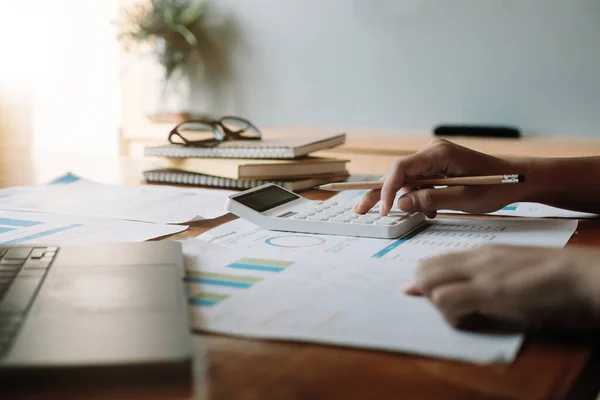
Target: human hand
558, 287
441, 157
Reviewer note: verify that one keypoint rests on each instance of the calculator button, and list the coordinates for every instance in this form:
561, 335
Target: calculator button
318, 202
333, 203
318, 218
300, 216
361, 222
384, 222
368, 217
397, 214
342, 220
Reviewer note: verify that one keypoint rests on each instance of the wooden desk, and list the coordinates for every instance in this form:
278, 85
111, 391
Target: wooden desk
548, 366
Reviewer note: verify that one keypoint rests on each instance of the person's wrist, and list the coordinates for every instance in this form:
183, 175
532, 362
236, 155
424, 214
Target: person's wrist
531, 187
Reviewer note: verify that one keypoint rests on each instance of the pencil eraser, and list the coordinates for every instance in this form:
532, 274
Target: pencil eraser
477, 131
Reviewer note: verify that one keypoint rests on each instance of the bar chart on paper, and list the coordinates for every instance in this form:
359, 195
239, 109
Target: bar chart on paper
218, 275
326, 299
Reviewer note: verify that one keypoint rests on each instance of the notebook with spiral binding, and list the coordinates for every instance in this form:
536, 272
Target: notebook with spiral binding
178, 177
284, 148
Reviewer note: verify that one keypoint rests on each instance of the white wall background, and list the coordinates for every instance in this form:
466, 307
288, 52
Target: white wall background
77, 95
59, 74
410, 64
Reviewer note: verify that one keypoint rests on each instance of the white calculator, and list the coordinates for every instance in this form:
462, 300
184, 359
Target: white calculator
272, 207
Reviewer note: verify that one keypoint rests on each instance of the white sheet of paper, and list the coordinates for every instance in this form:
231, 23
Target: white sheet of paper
533, 210
326, 298
27, 228
434, 237
157, 204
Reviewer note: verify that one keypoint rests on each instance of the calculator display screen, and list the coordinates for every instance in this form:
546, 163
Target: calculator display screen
267, 198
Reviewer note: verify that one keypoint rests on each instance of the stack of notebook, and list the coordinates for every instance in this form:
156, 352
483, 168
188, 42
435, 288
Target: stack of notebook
247, 164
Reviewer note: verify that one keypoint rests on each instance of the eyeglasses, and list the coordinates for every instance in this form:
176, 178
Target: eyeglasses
223, 129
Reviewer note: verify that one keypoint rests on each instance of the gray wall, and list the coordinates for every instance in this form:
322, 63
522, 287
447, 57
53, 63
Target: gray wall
410, 64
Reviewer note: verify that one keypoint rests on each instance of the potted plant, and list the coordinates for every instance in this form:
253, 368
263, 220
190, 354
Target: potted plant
180, 36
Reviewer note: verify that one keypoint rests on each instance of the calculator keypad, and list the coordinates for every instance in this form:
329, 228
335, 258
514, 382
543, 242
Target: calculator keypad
340, 213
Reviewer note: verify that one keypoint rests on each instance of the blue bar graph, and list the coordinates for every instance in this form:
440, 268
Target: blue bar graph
203, 302
219, 282
511, 207
255, 267
260, 264
4, 230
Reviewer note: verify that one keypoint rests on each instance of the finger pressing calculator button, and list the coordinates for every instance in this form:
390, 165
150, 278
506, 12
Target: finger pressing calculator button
397, 214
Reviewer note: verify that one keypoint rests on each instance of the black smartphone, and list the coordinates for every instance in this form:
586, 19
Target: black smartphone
477, 131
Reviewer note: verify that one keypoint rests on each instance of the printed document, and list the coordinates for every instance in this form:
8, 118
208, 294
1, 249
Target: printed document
71, 195
534, 210
346, 290
326, 298
432, 238
29, 228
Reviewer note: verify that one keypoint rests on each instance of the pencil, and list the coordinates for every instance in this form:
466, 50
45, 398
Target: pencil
455, 181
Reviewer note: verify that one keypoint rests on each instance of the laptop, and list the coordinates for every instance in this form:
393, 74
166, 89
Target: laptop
93, 308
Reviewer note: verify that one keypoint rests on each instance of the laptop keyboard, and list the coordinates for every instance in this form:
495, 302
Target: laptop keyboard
22, 270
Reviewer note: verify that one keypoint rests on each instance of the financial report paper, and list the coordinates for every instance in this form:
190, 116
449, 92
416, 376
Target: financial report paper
72, 195
346, 290
326, 299
432, 238
18, 227
533, 210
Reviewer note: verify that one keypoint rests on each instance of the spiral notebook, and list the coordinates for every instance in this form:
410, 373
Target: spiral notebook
177, 177
284, 148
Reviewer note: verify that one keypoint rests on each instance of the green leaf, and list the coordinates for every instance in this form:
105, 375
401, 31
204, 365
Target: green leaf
187, 35
193, 12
